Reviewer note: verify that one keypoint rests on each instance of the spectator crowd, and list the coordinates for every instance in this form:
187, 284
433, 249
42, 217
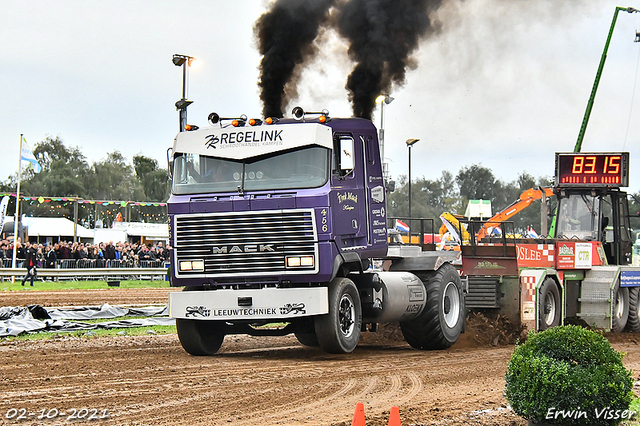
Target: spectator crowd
52, 255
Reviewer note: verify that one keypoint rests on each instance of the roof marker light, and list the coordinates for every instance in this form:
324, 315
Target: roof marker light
239, 122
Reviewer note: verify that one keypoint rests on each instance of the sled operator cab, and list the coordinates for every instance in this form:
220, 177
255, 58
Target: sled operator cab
591, 206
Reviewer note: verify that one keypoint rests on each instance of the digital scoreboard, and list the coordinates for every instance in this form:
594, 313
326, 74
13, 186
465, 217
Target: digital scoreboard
592, 169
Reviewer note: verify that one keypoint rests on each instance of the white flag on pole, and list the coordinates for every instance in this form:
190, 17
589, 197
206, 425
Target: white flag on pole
27, 155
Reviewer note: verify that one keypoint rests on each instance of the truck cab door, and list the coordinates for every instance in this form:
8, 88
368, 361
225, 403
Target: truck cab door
348, 195
623, 232
617, 242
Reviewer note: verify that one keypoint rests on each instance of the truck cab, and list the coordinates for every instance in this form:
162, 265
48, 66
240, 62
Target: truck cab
253, 203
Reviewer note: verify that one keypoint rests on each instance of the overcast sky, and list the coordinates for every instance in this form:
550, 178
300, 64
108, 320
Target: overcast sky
503, 84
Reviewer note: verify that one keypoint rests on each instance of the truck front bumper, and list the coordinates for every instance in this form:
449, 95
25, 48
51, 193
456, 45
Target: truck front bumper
253, 304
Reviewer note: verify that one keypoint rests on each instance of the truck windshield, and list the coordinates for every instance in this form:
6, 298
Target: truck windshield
300, 168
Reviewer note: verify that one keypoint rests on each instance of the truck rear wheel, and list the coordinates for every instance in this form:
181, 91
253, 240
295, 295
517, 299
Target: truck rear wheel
549, 305
620, 313
200, 337
633, 323
442, 320
338, 331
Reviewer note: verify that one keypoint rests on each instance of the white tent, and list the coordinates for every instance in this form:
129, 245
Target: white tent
56, 227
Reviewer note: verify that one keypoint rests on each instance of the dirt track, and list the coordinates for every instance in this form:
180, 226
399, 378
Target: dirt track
150, 380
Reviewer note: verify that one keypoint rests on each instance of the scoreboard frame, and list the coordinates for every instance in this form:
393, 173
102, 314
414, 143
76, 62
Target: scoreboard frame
592, 169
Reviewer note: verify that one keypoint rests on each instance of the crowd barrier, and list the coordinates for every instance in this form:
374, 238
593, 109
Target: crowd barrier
96, 263
93, 269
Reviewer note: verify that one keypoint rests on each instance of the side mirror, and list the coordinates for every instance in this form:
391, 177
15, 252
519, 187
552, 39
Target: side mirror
170, 161
347, 156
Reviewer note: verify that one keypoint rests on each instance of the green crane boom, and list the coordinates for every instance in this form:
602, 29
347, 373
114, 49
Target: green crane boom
587, 113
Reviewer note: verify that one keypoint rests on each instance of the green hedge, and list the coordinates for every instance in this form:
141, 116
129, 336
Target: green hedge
568, 375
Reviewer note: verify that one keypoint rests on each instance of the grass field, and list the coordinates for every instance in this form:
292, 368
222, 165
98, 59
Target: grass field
90, 334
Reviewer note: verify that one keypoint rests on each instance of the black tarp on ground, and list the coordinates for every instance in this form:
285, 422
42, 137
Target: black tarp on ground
33, 318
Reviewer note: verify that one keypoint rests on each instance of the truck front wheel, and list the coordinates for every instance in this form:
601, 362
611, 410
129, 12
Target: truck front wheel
200, 337
307, 339
442, 320
306, 333
338, 331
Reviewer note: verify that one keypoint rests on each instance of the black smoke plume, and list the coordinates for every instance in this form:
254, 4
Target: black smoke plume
285, 40
382, 34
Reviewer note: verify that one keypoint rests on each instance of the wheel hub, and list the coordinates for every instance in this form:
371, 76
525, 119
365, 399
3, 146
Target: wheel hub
346, 315
549, 309
619, 306
451, 305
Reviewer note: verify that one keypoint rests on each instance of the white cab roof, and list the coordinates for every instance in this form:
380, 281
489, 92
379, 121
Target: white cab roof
245, 142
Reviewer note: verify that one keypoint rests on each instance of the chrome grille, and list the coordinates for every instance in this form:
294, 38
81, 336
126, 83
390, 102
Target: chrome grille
250, 243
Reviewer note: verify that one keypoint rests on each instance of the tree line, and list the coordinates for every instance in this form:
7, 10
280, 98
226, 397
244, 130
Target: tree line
449, 193
67, 173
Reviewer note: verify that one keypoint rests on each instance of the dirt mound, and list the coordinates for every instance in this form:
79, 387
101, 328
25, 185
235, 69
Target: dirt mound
386, 334
482, 330
489, 329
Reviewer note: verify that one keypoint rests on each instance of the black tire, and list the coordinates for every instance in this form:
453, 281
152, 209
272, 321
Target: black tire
633, 322
308, 339
200, 337
620, 308
442, 320
549, 305
338, 331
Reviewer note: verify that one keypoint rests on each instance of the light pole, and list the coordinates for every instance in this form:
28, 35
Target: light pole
183, 103
382, 100
410, 143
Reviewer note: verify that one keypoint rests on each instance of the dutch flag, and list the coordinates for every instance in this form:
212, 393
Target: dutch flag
401, 226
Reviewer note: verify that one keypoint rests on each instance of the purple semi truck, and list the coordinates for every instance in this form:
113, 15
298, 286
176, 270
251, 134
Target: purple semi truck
281, 222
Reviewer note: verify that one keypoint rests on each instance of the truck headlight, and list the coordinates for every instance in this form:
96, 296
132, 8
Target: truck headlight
300, 262
192, 265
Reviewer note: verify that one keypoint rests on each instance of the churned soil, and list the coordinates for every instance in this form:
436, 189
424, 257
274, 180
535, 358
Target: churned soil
151, 380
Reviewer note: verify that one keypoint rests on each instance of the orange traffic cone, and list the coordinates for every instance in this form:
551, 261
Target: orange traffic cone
394, 417
358, 416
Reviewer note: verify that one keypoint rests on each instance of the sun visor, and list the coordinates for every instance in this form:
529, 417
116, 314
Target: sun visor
239, 143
